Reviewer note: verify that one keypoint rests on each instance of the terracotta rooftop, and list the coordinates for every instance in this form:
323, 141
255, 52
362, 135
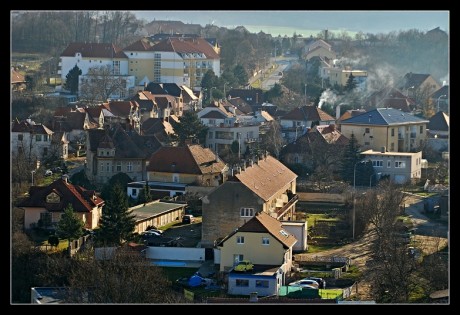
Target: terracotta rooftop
266, 177
187, 46
308, 113
188, 159
93, 50
82, 200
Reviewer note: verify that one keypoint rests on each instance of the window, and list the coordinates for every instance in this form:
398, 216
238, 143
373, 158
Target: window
388, 164
210, 135
247, 212
129, 167
392, 132
368, 130
45, 217
261, 283
265, 241
400, 164
240, 239
116, 67
421, 129
118, 166
134, 193
242, 283
102, 167
20, 137
237, 258
175, 178
377, 163
212, 122
107, 166
38, 137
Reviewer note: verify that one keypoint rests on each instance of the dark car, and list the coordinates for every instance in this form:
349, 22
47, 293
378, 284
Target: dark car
188, 218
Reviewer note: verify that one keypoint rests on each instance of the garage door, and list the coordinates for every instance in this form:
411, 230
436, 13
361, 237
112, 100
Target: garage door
400, 179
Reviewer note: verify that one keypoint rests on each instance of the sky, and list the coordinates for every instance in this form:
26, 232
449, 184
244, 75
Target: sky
288, 21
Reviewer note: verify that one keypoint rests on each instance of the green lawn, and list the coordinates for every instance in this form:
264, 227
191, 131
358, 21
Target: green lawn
319, 216
330, 293
320, 248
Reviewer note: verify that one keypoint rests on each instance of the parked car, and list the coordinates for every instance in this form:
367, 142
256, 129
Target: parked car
155, 230
151, 233
188, 218
48, 172
321, 281
305, 283
244, 265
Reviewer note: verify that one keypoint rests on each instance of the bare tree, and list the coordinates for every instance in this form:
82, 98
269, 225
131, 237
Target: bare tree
100, 83
272, 141
126, 278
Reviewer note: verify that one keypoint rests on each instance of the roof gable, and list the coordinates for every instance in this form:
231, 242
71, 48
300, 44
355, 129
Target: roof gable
440, 122
59, 194
264, 223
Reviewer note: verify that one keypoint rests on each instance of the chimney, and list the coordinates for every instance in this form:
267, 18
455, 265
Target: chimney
383, 149
65, 178
337, 112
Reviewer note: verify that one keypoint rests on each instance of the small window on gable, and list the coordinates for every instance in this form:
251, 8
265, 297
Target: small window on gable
53, 198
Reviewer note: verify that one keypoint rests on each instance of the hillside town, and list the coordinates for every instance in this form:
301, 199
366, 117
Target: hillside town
177, 165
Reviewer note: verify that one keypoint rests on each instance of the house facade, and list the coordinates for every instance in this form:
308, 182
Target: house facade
340, 76
386, 127
91, 55
401, 167
116, 150
48, 203
37, 141
261, 185
156, 214
178, 167
179, 60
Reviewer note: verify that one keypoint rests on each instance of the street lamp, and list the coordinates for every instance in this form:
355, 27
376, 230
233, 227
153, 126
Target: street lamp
305, 93
370, 178
445, 96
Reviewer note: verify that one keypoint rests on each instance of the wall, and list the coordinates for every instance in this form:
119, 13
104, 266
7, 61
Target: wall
221, 210
252, 249
175, 253
272, 289
300, 231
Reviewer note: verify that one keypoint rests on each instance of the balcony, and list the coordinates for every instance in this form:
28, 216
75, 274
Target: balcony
280, 211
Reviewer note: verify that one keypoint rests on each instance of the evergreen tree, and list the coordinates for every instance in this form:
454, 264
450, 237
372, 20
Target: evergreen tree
191, 128
144, 195
121, 178
71, 82
70, 227
351, 84
350, 158
240, 74
117, 222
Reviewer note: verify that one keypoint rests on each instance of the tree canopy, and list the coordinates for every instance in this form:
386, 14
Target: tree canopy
117, 222
190, 128
71, 82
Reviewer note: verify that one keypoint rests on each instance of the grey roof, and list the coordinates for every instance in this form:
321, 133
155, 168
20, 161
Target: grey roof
383, 117
439, 122
154, 208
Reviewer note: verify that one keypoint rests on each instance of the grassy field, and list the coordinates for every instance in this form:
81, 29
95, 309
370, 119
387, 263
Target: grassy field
313, 217
29, 61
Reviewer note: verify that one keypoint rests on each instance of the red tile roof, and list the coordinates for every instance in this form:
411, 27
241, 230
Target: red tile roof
187, 45
120, 108
330, 134
266, 177
82, 200
93, 50
140, 45
188, 159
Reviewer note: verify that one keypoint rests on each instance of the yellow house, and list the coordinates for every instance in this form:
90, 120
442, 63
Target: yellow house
262, 240
340, 76
183, 61
388, 128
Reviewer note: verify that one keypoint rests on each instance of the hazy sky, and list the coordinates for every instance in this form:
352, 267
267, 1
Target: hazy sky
353, 21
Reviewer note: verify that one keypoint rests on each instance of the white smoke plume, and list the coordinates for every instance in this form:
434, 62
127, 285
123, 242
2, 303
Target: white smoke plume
445, 80
327, 96
356, 62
